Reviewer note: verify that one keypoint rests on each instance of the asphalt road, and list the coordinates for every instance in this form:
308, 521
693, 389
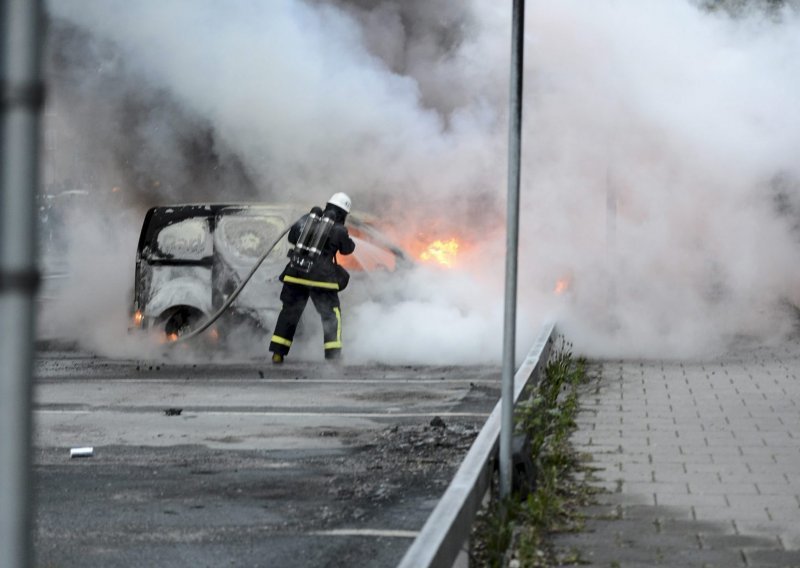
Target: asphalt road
243, 464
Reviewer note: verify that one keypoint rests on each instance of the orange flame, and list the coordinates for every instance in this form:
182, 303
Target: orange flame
563, 285
443, 252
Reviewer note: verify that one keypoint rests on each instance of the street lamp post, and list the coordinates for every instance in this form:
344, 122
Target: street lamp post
512, 241
22, 93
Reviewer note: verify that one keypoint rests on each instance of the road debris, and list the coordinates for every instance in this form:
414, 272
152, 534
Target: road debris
437, 422
84, 452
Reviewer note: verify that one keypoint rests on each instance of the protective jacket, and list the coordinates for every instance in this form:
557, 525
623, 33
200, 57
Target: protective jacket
325, 273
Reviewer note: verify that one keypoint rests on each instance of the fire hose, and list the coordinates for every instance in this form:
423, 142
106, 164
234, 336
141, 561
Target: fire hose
208, 323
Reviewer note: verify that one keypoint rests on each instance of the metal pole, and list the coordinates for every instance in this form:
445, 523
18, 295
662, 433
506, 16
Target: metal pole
22, 95
512, 240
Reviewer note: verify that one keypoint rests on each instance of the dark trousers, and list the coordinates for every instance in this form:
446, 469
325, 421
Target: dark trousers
294, 298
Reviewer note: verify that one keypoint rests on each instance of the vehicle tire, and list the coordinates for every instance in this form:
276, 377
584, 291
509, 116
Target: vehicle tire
180, 320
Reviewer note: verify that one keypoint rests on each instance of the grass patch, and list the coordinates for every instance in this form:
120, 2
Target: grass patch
519, 537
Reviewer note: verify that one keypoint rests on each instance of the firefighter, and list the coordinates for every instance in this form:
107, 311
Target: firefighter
313, 273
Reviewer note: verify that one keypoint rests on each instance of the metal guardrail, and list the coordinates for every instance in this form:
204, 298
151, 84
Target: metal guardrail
449, 525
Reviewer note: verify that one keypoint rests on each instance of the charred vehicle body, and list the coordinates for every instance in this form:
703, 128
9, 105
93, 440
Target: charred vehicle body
191, 258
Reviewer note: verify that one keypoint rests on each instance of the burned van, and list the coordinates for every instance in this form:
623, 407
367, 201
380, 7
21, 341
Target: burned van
191, 258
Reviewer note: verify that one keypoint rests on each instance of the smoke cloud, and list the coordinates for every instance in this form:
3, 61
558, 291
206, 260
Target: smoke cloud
660, 160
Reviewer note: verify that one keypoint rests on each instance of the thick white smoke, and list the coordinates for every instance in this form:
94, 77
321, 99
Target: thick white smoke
658, 169
682, 120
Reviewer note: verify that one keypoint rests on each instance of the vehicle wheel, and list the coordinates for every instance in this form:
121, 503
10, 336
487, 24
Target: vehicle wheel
180, 321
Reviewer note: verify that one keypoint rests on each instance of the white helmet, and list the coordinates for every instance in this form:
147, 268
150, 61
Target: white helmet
341, 200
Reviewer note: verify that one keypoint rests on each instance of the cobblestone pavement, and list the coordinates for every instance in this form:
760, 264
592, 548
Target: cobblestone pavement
701, 461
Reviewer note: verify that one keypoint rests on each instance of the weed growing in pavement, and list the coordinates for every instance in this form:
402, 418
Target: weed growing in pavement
548, 419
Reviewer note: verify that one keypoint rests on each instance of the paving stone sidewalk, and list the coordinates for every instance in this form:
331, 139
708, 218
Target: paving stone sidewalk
701, 461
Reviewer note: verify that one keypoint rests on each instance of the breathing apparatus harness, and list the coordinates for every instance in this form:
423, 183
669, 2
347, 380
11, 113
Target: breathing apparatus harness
313, 238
